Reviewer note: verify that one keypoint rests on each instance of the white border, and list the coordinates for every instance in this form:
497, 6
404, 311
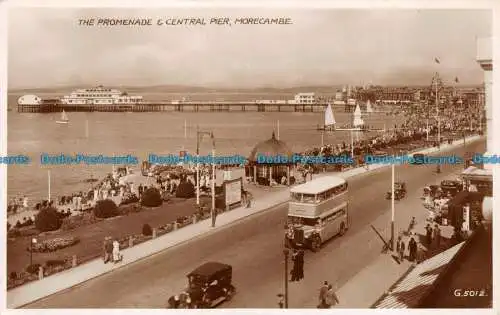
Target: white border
319, 4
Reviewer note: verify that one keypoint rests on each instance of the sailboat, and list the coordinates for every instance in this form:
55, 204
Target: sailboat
64, 118
358, 122
369, 108
329, 120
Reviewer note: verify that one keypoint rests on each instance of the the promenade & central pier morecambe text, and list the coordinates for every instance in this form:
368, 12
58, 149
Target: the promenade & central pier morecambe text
189, 21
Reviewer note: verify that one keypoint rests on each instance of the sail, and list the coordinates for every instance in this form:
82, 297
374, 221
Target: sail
358, 121
64, 117
329, 118
369, 108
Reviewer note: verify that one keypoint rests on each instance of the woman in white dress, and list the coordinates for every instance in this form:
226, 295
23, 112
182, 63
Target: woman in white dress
117, 256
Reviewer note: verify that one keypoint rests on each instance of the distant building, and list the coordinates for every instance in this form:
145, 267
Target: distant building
305, 98
100, 96
29, 99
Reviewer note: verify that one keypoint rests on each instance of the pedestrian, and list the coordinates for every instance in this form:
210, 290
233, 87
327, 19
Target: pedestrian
437, 236
412, 247
331, 297
398, 244
117, 256
294, 272
108, 249
428, 236
322, 295
173, 301
402, 251
300, 264
420, 253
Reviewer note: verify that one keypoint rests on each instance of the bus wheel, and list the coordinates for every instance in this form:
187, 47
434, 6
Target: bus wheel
315, 244
342, 229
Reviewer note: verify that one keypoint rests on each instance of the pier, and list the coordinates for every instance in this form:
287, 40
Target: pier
169, 106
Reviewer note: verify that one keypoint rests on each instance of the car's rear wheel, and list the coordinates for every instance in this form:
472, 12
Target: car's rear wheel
230, 292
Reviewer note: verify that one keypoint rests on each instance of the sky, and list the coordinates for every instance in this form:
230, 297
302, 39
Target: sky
48, 48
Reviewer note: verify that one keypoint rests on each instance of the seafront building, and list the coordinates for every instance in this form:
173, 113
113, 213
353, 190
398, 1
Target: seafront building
100, 95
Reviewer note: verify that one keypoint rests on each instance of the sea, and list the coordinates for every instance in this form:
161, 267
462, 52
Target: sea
141, 134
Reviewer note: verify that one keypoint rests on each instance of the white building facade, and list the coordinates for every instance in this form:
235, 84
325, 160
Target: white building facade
100, 96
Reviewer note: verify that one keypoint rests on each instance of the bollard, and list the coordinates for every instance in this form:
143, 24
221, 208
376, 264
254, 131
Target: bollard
130, 241
154, 232
194, 218
74, 262
40, 273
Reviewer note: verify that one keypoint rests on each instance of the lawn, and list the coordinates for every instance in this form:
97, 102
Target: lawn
92, 236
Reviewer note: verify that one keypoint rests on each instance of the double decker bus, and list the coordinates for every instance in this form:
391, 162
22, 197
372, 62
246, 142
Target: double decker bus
318, 211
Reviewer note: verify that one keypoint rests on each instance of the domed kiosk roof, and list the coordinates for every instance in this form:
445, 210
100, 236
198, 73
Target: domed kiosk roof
271, 147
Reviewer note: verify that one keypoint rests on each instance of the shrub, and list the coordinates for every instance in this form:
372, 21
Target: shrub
185, 190
55, 262
146, 230
8, 226
129, 198
14, 232
13, 275
105, 209
48, 220
151, 198
33, 269
28, 231
74, 222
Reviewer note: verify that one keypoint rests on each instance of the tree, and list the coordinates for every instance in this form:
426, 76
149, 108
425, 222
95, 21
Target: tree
48, 219
151, 198
106, 209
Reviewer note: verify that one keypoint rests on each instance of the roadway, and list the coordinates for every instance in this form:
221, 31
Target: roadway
254, 247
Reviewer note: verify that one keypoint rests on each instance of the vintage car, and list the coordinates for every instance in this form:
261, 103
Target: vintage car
209, 285
399, 191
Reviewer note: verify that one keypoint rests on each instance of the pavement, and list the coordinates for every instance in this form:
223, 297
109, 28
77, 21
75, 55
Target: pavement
256, 242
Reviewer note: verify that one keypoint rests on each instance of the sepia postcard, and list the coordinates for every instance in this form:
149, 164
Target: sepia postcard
197, 155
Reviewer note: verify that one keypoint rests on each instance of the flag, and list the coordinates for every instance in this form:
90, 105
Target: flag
456, 79
436, 60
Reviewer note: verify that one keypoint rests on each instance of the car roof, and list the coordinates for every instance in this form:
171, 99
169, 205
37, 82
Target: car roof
209, 268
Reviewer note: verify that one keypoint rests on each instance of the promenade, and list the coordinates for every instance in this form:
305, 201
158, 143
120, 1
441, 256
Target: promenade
39, 289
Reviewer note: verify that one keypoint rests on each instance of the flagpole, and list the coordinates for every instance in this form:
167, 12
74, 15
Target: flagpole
392, 207
48, 178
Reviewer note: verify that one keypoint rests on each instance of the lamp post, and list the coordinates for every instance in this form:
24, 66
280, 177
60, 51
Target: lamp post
286, 252
199, 136
33, 241
392, 207
213, 212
